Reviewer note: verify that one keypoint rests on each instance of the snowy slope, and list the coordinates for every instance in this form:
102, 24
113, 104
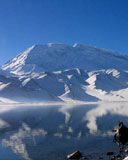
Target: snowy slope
61, 72
12, 90
54, 57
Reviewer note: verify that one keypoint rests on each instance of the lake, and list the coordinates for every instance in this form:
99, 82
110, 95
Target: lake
52, 132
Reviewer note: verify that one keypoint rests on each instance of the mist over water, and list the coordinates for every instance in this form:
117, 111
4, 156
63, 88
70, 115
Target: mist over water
51, 132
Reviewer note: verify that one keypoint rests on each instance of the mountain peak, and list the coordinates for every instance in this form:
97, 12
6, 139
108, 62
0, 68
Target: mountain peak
78, 72
57, 56
79, 45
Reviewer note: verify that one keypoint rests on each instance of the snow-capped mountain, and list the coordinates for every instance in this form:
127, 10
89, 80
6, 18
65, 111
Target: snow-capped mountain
63, 72
55, 57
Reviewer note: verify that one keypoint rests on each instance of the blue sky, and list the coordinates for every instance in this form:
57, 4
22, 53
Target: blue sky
102, 23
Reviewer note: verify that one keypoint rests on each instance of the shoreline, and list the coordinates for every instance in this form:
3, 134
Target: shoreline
47, 103
58, 103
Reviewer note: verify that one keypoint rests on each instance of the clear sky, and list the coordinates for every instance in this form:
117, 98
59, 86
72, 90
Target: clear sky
102, 23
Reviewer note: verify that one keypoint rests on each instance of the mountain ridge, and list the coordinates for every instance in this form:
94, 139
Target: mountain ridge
54, 57
59, 72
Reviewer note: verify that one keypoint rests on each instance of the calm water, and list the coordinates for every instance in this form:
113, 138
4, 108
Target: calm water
51, 132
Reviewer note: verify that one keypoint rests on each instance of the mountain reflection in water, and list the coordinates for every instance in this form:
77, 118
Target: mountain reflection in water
51, 132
